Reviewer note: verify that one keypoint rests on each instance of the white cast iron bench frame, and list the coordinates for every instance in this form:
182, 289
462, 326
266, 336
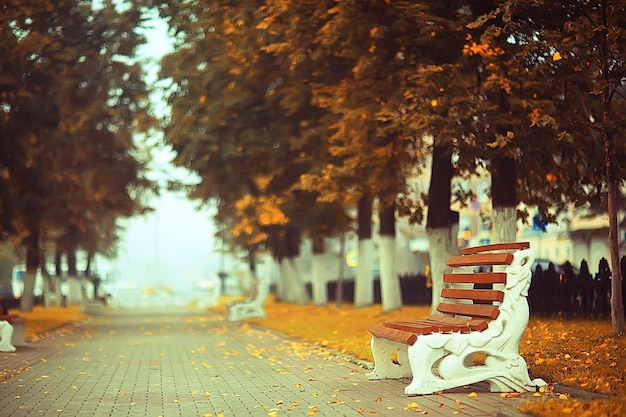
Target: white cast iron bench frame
11, 333
6, 333
252, 306
438, 351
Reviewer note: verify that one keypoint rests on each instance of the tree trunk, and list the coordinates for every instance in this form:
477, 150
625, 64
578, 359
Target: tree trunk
31, 243
391, 297
74, 295
88, 263
318, 276
55, 283
503, 199
442, 224
293, 290
617, 304
443, 243
363, 286
339, 287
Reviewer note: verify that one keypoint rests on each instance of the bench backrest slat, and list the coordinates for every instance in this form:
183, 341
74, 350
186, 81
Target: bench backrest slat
472, 294
470, 310
495, 246
481, 259
476, 278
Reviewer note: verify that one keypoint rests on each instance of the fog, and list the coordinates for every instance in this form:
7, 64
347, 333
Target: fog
169, 251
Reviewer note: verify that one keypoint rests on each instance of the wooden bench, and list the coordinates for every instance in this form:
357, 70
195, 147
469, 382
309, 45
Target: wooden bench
88, 306
18, 327
480, 313
252, 306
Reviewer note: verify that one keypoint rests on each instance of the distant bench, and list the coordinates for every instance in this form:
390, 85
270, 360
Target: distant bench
480, 313
251, 306
11, 333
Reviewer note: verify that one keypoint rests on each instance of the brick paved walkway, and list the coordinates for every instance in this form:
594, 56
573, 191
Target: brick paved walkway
179, 362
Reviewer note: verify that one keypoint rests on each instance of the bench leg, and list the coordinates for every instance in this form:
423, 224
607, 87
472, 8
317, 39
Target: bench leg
6, 333
384, 351
504, 373
18, 335
512, 374
423, 359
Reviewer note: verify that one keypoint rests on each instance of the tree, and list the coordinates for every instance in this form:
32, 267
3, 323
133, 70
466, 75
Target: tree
67, 136
594, 36
357, 58
246, 143
576, 51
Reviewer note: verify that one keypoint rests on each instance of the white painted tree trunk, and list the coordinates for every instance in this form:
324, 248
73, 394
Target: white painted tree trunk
73, 291
280, 280
443, 244
51, 292
391, 296
364, 283
504, 224
294, 291
27, 301
318, 280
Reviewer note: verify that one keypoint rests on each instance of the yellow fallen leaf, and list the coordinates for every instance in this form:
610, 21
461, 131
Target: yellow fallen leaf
563, 397
472, 395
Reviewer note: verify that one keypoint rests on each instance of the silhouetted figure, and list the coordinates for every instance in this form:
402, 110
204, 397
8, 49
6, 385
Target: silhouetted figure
585, 288
568, 287
552, 287
603, 286
536, 291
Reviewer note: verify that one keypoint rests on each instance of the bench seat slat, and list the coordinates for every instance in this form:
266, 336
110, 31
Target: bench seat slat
476, 295
13, 319
471, 310
401, 331
476, 278
477, 325
448, 326
420, 327
400, 336
481, 259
